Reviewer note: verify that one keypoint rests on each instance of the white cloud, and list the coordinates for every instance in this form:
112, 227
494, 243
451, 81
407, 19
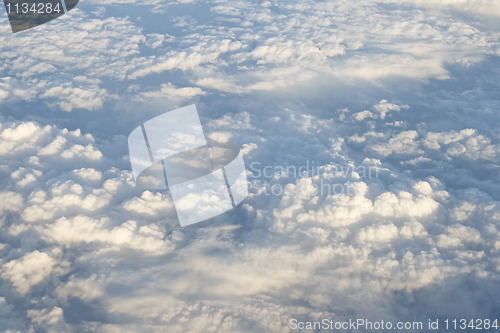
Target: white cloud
21, 137
384, 107
10, 201
149, 204
402, 143
85, 289
325, 247
169, 91
466, 142
64, 71
483, 7
51, 320
399, 88
83, 229
344, 41
69, 98
90, 174
32, 269
403, 204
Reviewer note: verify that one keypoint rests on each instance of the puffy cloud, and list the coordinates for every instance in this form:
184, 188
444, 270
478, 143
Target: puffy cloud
50, 320
169, 91
10, 201
403, 204
65, 71
90, 174
63, 199
337, 230
69, 98
87, 289
382, 234
482, 7
342, 85
149, 204
402, 143
83, 229
32, 269
3, 94
384, 107
21, 137
466, 142
344, 41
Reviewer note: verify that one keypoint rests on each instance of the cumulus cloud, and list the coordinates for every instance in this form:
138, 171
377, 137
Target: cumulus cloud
33, 268
483, 7
49, 319
385, 106
345, 41
10, 201
337, 231
65, 71
69, 98
169, 91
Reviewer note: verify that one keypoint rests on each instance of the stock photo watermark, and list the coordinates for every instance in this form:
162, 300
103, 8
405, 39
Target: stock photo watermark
27, 14
205, 178
367, 325
308, 179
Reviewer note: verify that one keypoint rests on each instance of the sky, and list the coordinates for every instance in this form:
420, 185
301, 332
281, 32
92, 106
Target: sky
389, 107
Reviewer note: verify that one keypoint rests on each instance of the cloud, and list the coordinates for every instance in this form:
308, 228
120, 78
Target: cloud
10, 201
466, 142
169, 91
49, 319
483, 7
21, 137
69, 98
338, 233
402, 143
149, 204
83, 229
384, 107
407, 90
353, 43
65, 71
32, 269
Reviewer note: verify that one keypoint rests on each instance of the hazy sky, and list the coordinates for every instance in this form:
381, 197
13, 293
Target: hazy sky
392, 106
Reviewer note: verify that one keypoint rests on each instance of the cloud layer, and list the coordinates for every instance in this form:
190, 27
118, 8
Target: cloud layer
389, 110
